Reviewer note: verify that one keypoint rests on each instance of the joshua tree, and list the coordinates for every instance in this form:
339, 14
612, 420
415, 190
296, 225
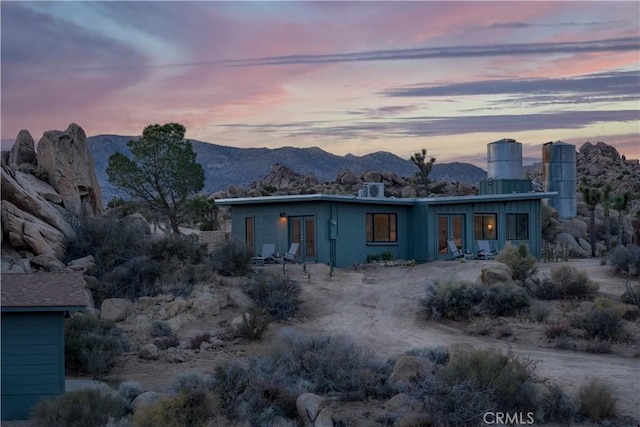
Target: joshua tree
621, 204
606, 204
424, 167
591, 197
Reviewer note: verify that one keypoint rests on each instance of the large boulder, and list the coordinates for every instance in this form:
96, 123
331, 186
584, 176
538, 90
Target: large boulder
114, 309
85, 264
23, 150
149, 352
47, 262
27, 200
577, 227
26, 231
42, 188
309, 406
409, 367
138, 221
70, 167
496, 272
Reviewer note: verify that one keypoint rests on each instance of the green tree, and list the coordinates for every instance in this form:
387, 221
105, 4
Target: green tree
424, 167
204, 211
621, 204
163, 172
591, 197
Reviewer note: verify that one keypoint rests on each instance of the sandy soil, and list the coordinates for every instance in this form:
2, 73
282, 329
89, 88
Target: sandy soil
378, 307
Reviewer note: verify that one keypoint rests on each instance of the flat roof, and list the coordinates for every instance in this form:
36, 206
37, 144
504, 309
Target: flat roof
384, 200
64, 291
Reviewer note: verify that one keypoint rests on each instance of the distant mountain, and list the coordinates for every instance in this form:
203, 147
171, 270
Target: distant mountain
241, 166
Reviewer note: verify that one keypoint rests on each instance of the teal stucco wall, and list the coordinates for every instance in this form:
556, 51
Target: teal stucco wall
32, 360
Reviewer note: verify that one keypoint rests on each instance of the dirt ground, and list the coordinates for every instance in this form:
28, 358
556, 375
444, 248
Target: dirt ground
379, 307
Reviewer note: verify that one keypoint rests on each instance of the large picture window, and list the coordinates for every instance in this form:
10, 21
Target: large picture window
381, 227
485, 227
518, 226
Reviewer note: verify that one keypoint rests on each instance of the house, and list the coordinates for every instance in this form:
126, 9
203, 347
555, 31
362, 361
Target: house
343, 230
32, 309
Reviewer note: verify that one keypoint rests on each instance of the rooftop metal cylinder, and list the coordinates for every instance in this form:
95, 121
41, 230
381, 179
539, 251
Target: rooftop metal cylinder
559, 174
504, 159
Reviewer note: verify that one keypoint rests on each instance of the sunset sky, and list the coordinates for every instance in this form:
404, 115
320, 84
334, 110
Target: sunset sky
348, 77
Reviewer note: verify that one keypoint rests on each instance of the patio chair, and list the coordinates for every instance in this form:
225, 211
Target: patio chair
454, 252
484, 250
289, 256
267, 255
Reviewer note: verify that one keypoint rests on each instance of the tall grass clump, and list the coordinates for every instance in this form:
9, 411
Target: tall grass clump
232, 258
276, 294
81, 408
519, 260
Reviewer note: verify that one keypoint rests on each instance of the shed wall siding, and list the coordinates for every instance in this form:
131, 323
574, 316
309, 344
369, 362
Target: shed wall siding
32, 360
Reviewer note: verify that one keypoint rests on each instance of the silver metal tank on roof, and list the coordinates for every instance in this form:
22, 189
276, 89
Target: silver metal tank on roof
559, 174
504, 159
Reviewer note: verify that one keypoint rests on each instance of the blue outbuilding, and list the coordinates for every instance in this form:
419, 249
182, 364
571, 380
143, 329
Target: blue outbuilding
33, 310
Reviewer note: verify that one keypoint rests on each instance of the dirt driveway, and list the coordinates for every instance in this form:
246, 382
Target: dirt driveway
379, 307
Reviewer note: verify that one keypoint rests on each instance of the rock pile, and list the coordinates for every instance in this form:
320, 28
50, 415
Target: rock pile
44, 191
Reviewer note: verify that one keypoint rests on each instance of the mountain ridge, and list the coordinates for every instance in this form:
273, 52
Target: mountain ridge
224, 165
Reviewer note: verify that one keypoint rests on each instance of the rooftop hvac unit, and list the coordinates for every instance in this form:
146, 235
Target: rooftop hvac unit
372, 189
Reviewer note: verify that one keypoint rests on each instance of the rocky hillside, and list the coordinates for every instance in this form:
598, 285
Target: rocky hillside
225, 166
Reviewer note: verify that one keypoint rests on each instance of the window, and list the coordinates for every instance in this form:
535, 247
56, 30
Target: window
518, 226
248, 230
484, 227
381, 227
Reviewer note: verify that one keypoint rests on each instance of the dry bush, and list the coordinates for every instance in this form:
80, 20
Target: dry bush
198, 340
196, 409
276, 294
596, 400
556, 329
519, 260
81, 408
573, 283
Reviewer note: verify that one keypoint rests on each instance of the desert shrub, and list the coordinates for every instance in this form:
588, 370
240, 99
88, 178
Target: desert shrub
598, 347
519, 260
268, 385
564, 342
199, 339
232, 258
81, 408
129, 390
572, 283
452, 300
254, 323
556, 406
597, 401
195, 409
539, 311
474, 382
191, 381
626, 259
463, 300
544, 288
185, 249
92, 345
603, 324
556, 329
278, 295
133, 279
109, 242
373, 257
504, 299
387, 256
160, 329
438, 354
167, 341
631, 295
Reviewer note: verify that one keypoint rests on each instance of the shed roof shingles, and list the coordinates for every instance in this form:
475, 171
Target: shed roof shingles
43, 290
